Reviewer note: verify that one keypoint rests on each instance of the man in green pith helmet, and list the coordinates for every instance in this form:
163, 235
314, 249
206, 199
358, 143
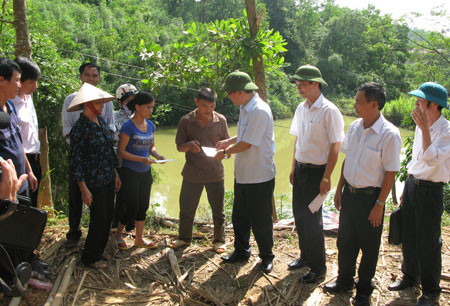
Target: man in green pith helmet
422, 199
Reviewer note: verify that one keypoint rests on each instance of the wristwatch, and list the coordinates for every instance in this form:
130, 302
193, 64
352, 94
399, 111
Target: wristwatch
380, 203
225, 154
326, 180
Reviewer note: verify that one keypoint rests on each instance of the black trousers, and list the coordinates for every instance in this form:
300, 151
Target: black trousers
75, 210
309, 226
252, 210
101, 211
35, 163
119, 208
355, 234
421, 235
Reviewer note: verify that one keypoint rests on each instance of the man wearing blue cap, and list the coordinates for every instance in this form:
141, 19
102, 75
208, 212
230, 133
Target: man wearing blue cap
422, 199
254, 170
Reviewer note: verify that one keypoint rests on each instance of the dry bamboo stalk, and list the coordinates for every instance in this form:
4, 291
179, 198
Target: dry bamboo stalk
206, 294
445, 276
129, 277
216, 265
315, 298
236, 278
117, 274
271, 283
79, 287
58, 299
51, 296
52, 249
173, 262
106, 275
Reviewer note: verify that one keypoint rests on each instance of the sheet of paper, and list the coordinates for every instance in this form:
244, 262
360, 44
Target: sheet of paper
315, 205
163, 161
210, 152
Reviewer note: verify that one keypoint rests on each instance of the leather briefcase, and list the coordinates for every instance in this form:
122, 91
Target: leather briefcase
395, 227
23, 229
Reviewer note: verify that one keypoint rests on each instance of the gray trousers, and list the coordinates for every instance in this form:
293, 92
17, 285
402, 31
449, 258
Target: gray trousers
189, 199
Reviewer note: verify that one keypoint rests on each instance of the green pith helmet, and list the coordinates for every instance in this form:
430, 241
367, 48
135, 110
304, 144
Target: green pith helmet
308, 73
433, 92
238, 81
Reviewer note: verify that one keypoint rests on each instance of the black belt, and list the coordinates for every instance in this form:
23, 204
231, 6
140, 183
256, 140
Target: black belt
35, 156
365, 190
303, 165
424, 182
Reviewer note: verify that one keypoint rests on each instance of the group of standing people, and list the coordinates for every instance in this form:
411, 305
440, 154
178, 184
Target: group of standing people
110, 153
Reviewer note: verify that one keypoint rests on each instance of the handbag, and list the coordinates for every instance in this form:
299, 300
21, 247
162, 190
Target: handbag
24, 228
395, 227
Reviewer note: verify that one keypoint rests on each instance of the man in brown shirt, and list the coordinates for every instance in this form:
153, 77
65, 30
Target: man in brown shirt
202, 127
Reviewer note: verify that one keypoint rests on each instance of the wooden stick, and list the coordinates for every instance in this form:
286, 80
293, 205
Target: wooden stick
52, 249
57, 301
216, 265
173, 262
270, 281
129, 277
79, 287
51, 296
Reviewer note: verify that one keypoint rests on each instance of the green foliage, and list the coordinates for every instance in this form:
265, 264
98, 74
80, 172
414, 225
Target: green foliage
402, 175
398, 111
228, 207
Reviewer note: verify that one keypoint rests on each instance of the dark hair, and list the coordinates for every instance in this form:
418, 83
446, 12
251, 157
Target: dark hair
30, 70
207, 94
7, 68
140, 98
320, 84
89, 65
374, 92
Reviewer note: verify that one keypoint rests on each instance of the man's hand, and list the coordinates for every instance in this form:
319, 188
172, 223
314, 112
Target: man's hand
223, 144
117, 182
338, 199
401, 201
194, 146
325, 187
9, 185
219, 155
32, 180
291, 176
147, 161
420, 119
376, 215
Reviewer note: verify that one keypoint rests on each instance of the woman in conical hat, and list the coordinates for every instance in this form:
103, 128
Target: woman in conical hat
92, 164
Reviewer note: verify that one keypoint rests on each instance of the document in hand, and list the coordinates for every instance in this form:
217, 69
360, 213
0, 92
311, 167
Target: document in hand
315, 205
210, 152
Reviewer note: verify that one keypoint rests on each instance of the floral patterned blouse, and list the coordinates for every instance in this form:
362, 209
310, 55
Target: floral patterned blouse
92, 158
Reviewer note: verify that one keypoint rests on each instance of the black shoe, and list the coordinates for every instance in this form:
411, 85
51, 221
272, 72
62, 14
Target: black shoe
38, 268
361, 300
235, 257
401, 284
38, 265
337, 287
267, 265
297, 264
428, 300
130, 227
71, 243
311, 277
44, 265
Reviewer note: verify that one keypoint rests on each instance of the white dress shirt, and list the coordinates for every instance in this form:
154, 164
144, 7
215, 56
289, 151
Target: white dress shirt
255, 126
433, 164
370, 152
70, 118
29, 130
316, 128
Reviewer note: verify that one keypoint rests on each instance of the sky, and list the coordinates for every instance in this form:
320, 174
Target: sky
398, 8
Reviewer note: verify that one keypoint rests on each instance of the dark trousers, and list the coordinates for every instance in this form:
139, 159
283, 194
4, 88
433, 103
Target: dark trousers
135, 192
189, 198
422, 210
75, 210
119, 208
355, 234
309, 226
252, 210
35, 163
101, 211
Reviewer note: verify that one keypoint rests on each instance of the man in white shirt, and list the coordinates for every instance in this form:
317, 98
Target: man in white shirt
26, 113
254, 170
372, 148
89, 73
422, 199
318, 127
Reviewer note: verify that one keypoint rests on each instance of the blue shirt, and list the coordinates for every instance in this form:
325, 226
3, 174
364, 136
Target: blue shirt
11, 146
139, 144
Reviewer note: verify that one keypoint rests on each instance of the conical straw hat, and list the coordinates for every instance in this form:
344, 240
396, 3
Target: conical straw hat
88, 93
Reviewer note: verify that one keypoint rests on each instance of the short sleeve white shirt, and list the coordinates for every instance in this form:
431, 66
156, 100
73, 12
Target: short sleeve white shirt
255, 126
433, 164
70, 118
316, 128
371, 152
29, 130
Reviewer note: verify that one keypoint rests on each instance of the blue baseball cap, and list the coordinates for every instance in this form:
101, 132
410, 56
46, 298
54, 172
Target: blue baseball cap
432, 92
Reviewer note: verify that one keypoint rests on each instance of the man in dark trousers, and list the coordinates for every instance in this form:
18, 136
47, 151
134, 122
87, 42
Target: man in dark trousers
318, 127
422, 199
254, 170
372, 148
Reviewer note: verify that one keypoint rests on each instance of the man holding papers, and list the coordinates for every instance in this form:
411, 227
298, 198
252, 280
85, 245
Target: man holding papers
202, 127
318, 127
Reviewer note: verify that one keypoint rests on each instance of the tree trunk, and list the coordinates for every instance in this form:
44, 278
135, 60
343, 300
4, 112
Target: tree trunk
45, 190
258, 63
23, 45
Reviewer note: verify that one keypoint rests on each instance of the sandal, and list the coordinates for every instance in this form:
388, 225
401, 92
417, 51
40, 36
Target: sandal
178, 244
220, 247
146, 245
121, 244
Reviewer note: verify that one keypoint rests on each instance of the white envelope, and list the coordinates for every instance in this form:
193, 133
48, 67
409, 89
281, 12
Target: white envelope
315, 205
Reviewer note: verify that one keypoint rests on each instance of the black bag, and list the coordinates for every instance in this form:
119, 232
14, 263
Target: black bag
395, 227
24, 228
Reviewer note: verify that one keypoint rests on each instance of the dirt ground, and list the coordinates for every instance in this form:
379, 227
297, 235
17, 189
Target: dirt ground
145, 277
